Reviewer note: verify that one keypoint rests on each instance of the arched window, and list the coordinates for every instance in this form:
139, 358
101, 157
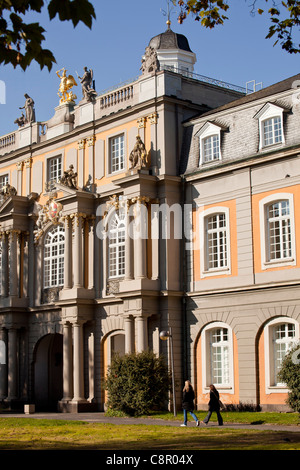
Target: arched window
54, 249
116, 245
217, 356
215, 241
278, 230
280, 336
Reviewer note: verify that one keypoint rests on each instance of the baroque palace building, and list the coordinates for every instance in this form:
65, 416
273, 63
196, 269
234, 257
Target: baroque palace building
168, 202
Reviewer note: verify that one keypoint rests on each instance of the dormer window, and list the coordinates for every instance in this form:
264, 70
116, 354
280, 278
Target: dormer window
270, 119
209, 143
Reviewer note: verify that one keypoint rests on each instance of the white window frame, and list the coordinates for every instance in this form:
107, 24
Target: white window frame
4, 180
204, 262
120, 151
209, 131
54, 263
206, 350
58, 160
264, 204
116, 227
269, 112
269, 329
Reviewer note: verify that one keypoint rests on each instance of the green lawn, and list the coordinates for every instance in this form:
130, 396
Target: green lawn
240, 417
37, 434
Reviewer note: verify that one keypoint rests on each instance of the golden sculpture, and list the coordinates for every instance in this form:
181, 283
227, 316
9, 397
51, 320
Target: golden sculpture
66, 83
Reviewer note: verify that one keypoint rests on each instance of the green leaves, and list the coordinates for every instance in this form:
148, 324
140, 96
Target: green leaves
74, 10
137, 383
21, 42
284, 19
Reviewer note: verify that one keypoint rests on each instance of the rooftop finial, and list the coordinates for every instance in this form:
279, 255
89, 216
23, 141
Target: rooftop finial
168, 12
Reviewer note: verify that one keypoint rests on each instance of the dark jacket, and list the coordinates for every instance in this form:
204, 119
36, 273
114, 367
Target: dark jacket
213, 404
188, 400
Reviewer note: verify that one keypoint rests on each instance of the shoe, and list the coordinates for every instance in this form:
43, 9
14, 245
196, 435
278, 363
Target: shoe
197, 424
183, 425
202, 422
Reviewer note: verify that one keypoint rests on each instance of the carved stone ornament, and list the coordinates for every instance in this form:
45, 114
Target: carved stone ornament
138, 156
51, 295
69, 178
112, 286
150, 62
50, 212
8, 191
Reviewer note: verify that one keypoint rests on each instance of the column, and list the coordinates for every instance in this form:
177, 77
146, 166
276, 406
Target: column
4, 266
3, 364
68, 254
13, 274
67, 363
81, 147
129, 256
140, 254
19, 166
142, 334
128, 327
91, 362
77, 258
78, 363
91, 254
28, 165
12, 365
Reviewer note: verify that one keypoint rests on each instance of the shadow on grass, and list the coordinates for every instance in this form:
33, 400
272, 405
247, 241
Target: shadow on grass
160, 439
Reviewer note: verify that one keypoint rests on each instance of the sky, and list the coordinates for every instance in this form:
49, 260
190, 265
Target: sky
236, 52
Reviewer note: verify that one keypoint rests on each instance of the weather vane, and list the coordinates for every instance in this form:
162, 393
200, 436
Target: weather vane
168, 12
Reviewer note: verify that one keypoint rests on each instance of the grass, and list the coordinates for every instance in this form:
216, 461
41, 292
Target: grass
44, 434
239, 417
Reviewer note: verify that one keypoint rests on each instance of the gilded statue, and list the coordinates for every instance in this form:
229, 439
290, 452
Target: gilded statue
66, 84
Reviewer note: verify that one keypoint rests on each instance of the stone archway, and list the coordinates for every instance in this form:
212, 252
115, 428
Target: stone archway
48, 372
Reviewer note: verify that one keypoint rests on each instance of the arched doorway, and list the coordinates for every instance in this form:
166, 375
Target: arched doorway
48, 372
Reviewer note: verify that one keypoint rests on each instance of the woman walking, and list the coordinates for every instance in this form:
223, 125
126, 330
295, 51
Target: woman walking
188, 402
213, 405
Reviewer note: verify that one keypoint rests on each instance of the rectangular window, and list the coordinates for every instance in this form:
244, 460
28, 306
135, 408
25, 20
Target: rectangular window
284, 336
272, 133
216, 241
54, 169
220, 373
117, 158
279, 226
211, 148
3, 181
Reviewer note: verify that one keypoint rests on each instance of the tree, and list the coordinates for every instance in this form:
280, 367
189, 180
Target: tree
137, 383
290, 375
211, 13
21, 42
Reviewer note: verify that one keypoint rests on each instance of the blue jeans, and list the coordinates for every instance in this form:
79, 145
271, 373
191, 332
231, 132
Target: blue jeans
185, 416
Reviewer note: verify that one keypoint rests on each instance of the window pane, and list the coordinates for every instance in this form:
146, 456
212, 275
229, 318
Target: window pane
272, 131
220, 370
216, 241
117, 153
117, 245
3, 181
279, 226
211, 148
54, 169
284, 337
54, 250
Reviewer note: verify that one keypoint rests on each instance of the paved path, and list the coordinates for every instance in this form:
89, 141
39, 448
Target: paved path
99, 417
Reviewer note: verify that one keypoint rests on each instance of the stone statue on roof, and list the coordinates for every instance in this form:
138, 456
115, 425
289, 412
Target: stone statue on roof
29, 112
88, 84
